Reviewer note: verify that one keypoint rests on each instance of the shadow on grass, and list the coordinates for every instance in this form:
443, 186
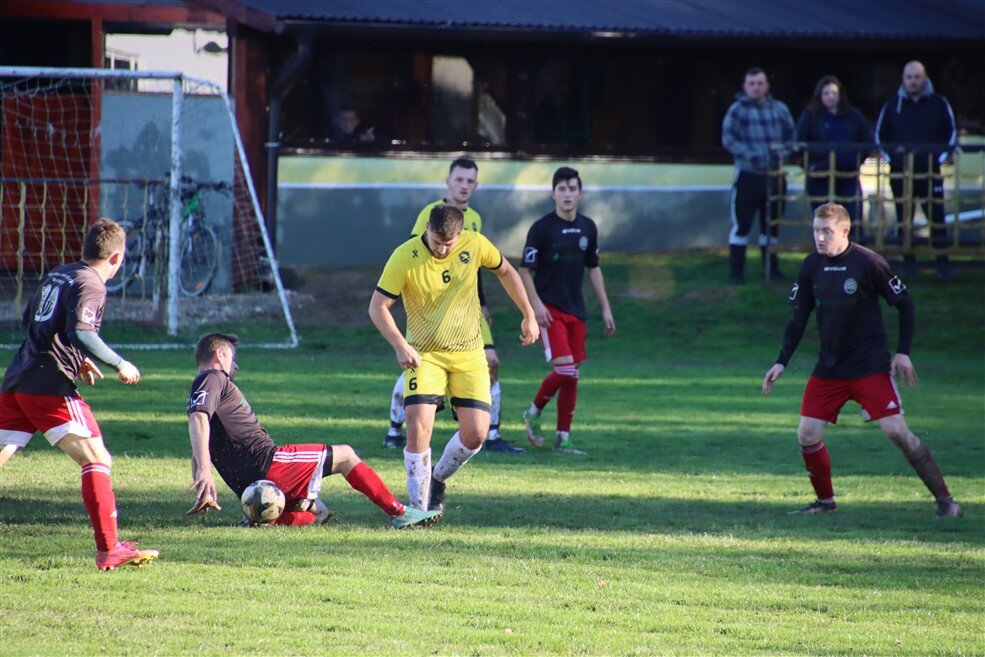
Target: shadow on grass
676, 536
540, 512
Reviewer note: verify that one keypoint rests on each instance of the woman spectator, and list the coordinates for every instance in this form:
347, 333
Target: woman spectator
827, 121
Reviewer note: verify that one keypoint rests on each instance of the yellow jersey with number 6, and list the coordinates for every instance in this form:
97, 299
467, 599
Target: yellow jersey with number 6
440, 295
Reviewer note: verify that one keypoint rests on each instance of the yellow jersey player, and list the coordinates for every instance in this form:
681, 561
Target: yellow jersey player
462, 181
436, 274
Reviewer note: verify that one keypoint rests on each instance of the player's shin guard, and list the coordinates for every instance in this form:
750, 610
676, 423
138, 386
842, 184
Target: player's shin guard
566, 399
397, 415
456, 455
818, 463
497, 397
418, 467
365, 480
100, 503
925, 466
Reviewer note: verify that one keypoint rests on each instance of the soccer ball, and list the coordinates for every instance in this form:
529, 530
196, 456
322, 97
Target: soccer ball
263, 502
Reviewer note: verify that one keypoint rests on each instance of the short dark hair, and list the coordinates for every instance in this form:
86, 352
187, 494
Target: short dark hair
446, 221
463, 163
755, 70
565, 174
103, 239
210, 343
833, 211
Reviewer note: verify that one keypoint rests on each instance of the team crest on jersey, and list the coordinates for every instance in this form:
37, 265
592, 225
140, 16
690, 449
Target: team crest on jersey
793, 291
49, 297
896, 285
583, 243
465, 257
850, 286
530, 255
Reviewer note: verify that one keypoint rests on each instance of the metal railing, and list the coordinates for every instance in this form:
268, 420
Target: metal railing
949, 195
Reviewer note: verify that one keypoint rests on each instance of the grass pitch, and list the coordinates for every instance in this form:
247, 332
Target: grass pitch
670, 537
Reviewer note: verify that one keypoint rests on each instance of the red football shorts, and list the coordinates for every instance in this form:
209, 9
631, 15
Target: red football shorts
55, 416
876, 394
298, 469
564, 337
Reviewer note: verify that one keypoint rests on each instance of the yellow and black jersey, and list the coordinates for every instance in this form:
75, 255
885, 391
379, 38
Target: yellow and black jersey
473, 221
440, 295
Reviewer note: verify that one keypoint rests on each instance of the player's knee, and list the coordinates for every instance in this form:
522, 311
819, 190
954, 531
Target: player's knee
808, 435
344, 457
900, 435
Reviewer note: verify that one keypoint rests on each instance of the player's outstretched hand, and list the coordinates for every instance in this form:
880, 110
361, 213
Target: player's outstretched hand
529, 331
772, 375
608, 324
89, 372
903, 368
128, 372
407, 357
203, 505
205, 494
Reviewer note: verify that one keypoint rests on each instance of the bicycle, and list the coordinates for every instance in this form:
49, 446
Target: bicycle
147, 241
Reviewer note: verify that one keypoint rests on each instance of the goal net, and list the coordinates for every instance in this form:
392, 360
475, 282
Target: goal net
161, 154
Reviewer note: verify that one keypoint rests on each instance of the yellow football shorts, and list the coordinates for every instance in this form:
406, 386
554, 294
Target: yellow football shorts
463, 375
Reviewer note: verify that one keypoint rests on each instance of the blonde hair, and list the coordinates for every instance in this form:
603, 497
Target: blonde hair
833, 211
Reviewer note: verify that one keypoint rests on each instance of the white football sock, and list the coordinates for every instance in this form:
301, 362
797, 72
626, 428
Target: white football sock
418, 467
534, 411
453, 458
397, 415
497, 397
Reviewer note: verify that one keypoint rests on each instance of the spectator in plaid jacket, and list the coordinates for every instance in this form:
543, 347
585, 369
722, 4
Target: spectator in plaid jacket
754, 130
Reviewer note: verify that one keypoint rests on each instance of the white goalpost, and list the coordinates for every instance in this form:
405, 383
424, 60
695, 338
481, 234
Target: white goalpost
160, 153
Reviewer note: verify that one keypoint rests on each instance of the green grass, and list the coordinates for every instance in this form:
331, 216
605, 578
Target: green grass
670, 537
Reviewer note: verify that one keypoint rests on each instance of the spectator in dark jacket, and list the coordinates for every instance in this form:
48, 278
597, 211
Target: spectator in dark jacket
917, 120
829, 120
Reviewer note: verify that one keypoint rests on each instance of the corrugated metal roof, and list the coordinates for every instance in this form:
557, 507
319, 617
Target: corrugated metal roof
842, 19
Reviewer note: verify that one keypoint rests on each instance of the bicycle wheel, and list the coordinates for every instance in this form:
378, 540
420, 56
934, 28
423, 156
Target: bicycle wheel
131, 263
199, 260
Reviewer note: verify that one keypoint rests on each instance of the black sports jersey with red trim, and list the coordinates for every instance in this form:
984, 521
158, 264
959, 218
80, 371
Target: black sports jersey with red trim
240, 448
70, 298
845, 291
558, 252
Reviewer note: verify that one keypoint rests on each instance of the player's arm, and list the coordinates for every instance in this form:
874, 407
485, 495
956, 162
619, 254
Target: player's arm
203, 482
597, 280
802, 300
541, 314
379, 313
93, 346
901, 365
515, 287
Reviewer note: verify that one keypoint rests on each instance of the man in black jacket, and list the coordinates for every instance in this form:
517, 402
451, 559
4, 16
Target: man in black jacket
920, 121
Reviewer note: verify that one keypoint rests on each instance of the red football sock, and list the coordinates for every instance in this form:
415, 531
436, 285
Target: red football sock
100, 502
818, 463
548, 387
365, 480
566, 399
295, 519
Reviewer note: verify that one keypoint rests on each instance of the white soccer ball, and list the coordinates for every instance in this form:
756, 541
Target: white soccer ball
263, 502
